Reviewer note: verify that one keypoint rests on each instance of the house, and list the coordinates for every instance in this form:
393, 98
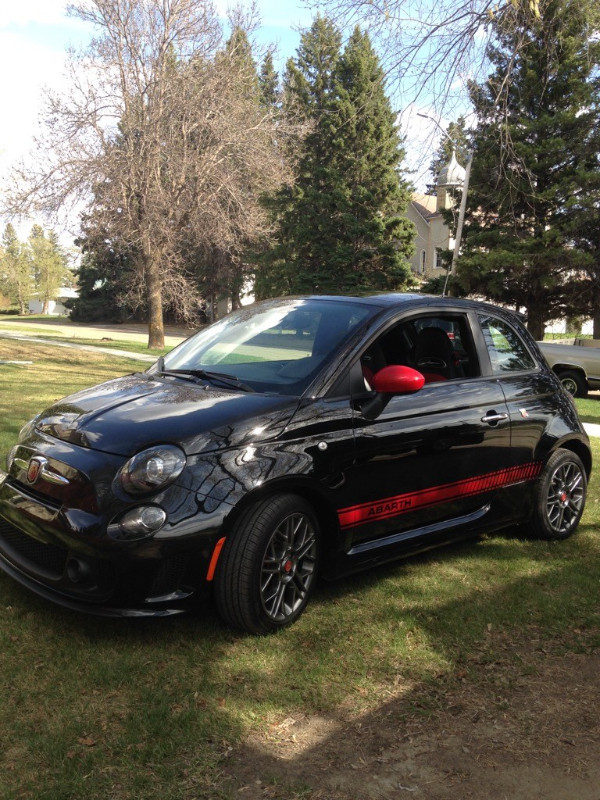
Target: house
55, 307
433, 235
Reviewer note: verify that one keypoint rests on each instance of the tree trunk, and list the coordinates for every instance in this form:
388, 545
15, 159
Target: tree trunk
535, 323
595, 304
156, 331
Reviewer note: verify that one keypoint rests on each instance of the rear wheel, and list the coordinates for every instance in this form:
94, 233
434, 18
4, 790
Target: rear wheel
268, 567
559, 496
574, 382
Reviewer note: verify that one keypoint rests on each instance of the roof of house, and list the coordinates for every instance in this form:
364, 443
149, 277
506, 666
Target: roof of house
425, 204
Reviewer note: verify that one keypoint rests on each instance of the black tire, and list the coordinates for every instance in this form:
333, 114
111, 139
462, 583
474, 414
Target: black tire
268, 567
560, 494
574, 382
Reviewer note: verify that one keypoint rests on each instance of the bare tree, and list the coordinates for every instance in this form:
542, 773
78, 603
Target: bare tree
155, 139
430, 50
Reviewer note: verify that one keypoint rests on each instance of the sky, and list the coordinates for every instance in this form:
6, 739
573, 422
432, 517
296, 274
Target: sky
34, 36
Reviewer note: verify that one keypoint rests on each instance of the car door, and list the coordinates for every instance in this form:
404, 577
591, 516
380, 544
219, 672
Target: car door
532, 399
427, 465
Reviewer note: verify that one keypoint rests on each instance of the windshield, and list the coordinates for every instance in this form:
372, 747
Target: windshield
275, 346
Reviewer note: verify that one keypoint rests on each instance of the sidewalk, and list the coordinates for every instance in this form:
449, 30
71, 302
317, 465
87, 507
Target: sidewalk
127, 332
25, 337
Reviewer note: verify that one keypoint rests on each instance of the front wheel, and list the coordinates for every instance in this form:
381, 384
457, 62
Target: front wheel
268, 567
559, 496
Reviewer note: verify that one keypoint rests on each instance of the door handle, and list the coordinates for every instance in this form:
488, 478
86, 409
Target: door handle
492, 417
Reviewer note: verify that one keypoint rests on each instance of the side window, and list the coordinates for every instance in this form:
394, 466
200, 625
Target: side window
438, 346
507, 350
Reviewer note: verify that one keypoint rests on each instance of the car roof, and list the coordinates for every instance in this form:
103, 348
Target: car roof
390, 302
381, 300
398, 299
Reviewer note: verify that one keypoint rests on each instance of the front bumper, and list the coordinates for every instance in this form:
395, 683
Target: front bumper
64, 555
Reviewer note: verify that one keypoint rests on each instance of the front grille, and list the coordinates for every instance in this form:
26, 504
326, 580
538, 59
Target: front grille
29, 491
77, 576
78, 492
31, 554
169, 575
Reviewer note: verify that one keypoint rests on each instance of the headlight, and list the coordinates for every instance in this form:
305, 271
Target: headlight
27, 429
138, 523
152, 469
11, 456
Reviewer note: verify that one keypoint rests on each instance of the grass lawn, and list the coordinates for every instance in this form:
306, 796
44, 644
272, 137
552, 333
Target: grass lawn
46, 332
134, 710
589, 408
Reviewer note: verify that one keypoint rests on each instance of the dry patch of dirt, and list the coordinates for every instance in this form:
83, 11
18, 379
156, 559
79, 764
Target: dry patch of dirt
523, 727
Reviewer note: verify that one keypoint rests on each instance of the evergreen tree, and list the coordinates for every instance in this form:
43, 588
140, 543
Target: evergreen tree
308, 86
49, 263
585, 297
106, 272
268, 80
370, 239
340, 227
15, 269
222, 271
535, 161
240, 61
309, 78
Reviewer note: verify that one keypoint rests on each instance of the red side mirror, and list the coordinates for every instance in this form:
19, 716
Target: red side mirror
396, 379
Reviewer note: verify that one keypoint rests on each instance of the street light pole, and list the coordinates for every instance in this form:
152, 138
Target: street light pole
461, 219
463, 201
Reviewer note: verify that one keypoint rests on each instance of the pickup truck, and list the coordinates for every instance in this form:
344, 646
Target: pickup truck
577, 367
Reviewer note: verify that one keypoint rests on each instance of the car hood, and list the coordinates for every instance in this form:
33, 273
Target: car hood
125, 415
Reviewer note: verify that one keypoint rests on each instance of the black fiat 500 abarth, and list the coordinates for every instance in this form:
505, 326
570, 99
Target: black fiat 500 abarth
296, 437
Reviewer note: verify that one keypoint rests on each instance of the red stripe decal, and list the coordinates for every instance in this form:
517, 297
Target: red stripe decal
401, 503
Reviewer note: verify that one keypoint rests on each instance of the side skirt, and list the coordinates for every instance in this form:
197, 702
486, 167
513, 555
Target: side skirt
416, 533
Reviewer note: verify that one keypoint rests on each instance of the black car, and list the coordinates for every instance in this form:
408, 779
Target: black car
296, 437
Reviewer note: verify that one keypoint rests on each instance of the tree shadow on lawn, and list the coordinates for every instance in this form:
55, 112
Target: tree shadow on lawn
504, 707
374, 653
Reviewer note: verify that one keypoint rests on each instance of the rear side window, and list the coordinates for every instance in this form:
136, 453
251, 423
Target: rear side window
508, 352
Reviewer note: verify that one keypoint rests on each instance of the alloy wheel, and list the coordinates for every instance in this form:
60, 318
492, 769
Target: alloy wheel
288, 567
566, 495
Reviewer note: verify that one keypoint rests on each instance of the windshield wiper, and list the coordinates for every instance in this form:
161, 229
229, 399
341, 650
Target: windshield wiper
229, 381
